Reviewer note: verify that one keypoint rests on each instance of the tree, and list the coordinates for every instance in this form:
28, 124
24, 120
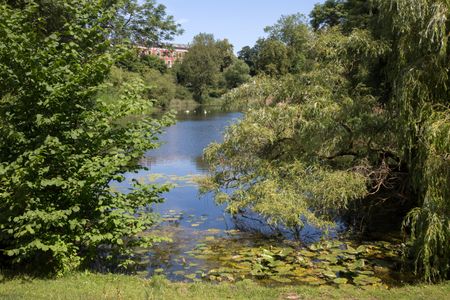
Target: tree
349, 14
421, 113
60, 146
273, 57
249, 56
328, 14
203, 65
237, 74
284, 49
143, 23
225, 53
367, 123
133, 61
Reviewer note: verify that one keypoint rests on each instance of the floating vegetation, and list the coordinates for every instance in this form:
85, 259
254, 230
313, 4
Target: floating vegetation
333, 263
219, 255
174, 180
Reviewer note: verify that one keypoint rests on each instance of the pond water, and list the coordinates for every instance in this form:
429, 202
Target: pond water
209, 244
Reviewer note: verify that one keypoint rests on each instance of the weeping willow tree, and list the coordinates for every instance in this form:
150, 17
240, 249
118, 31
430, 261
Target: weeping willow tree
302, 154
420, 107
366, 120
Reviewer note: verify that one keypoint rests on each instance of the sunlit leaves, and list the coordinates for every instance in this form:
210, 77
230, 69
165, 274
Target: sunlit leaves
60, 147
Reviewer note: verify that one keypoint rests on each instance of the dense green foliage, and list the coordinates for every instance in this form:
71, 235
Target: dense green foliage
134, 62
60, 147
236, 74
144, 23
364, 119
283, 50
210, 67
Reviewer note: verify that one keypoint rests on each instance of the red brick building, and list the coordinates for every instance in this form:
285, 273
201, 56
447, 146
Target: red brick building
169, 56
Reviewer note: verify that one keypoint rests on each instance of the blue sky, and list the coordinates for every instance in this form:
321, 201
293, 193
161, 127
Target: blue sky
241, 21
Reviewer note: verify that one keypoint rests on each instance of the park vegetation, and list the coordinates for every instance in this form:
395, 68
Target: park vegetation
210, 68
76, 98
348, 114
61, 144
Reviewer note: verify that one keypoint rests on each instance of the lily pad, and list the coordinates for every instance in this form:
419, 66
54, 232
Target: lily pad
329, 274
340, 280
191, 276
179, 273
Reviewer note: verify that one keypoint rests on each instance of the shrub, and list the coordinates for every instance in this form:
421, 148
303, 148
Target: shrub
60, 148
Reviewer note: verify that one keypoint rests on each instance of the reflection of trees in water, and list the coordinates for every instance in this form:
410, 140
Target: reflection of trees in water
248, 221
166, 254
200, 163
147, 161
201, 113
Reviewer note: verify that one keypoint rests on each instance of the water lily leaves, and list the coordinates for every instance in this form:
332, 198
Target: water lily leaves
357, 264
307, 253
329, 257
369, 273
268, 258
159, 271
285, 252
277, 263
337, 269
351, 250
190, 276
243, 266
330, 262
315, 247
267, 252
366, 280
329, 274
340, 280
284, 270
179, 273
361, 249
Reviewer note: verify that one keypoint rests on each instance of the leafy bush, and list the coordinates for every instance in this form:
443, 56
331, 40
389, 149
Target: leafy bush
162, 87
60, 148
158, 88
133, 61
182, 93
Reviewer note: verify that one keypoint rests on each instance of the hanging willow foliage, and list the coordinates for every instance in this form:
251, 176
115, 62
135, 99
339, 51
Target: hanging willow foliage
421, 108
367, 118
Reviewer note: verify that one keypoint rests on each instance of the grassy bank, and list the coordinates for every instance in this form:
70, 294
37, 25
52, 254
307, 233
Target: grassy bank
91, 286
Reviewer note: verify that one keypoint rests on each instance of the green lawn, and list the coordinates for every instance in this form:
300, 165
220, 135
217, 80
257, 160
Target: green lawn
91, 286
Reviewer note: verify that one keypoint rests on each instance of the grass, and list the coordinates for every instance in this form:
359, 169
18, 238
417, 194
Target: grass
93, 286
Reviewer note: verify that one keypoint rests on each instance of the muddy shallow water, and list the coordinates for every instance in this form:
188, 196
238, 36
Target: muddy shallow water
209, 244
